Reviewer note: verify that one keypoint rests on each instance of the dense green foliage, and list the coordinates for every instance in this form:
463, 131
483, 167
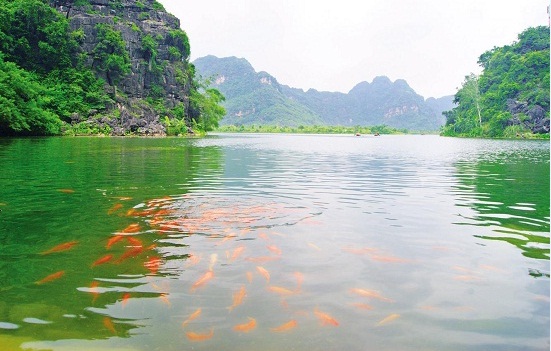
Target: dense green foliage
48, 81
43, 82
206, 111
511, 96
110, 54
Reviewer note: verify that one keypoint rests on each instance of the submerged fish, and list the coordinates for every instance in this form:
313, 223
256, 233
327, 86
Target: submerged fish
114, 209
246, 327
237, 252
325, 319
388, 319
192, 316
108, 323
132, 252
280, 290
94, 290
238, 297
125, 299
200, 337
274, 249
370, 293
102, 260
132, 228
213, 259
51, 277
61, 247
203, 280
66, 191
112, 240
264, 272
134, 241
285, 326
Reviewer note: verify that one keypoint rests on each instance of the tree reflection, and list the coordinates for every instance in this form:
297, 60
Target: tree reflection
510, 194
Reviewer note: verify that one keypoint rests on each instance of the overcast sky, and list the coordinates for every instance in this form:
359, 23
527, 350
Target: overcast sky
333, 45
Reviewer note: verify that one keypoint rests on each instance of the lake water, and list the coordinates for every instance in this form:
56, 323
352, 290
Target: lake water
274, 242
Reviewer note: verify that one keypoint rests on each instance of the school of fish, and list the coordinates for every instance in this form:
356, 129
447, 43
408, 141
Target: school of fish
136, 242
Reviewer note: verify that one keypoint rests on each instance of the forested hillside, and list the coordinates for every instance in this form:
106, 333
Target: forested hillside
510, 98
113, 67
257, 98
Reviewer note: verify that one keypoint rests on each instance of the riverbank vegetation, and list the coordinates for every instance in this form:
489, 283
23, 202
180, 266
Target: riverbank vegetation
55, 80
314, 129
510, 98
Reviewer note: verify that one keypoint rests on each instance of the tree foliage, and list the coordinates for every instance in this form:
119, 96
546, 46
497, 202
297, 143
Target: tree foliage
110, 54
46, 81
512, 75
42, 80
205, 109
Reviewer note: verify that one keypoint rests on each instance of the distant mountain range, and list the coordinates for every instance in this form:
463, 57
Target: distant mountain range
257, 98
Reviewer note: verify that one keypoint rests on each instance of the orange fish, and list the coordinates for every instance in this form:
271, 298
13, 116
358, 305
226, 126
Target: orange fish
191, 317
134, 241
66, 191
94, 290
125, 299
274, 249
164, 299
262, 259
61, 247
132, 228
200, 337
153, 264
250, 277
114, 209
264, 272
51, 277
102, 260
203, 280
112, 240
281, 291
108, 323
238, 297
388, 319
132, 252
370, 293
237, 252
325, 319
246, 327
363, 306
285, 326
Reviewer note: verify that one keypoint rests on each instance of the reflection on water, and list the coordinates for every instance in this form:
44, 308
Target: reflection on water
509, 194
283, 242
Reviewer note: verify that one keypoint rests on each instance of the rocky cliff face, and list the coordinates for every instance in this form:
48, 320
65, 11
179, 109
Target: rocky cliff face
158, 53
531, 117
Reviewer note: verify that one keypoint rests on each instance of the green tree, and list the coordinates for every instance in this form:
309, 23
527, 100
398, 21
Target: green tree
22, 106
516, 74
110, 54
205, 109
